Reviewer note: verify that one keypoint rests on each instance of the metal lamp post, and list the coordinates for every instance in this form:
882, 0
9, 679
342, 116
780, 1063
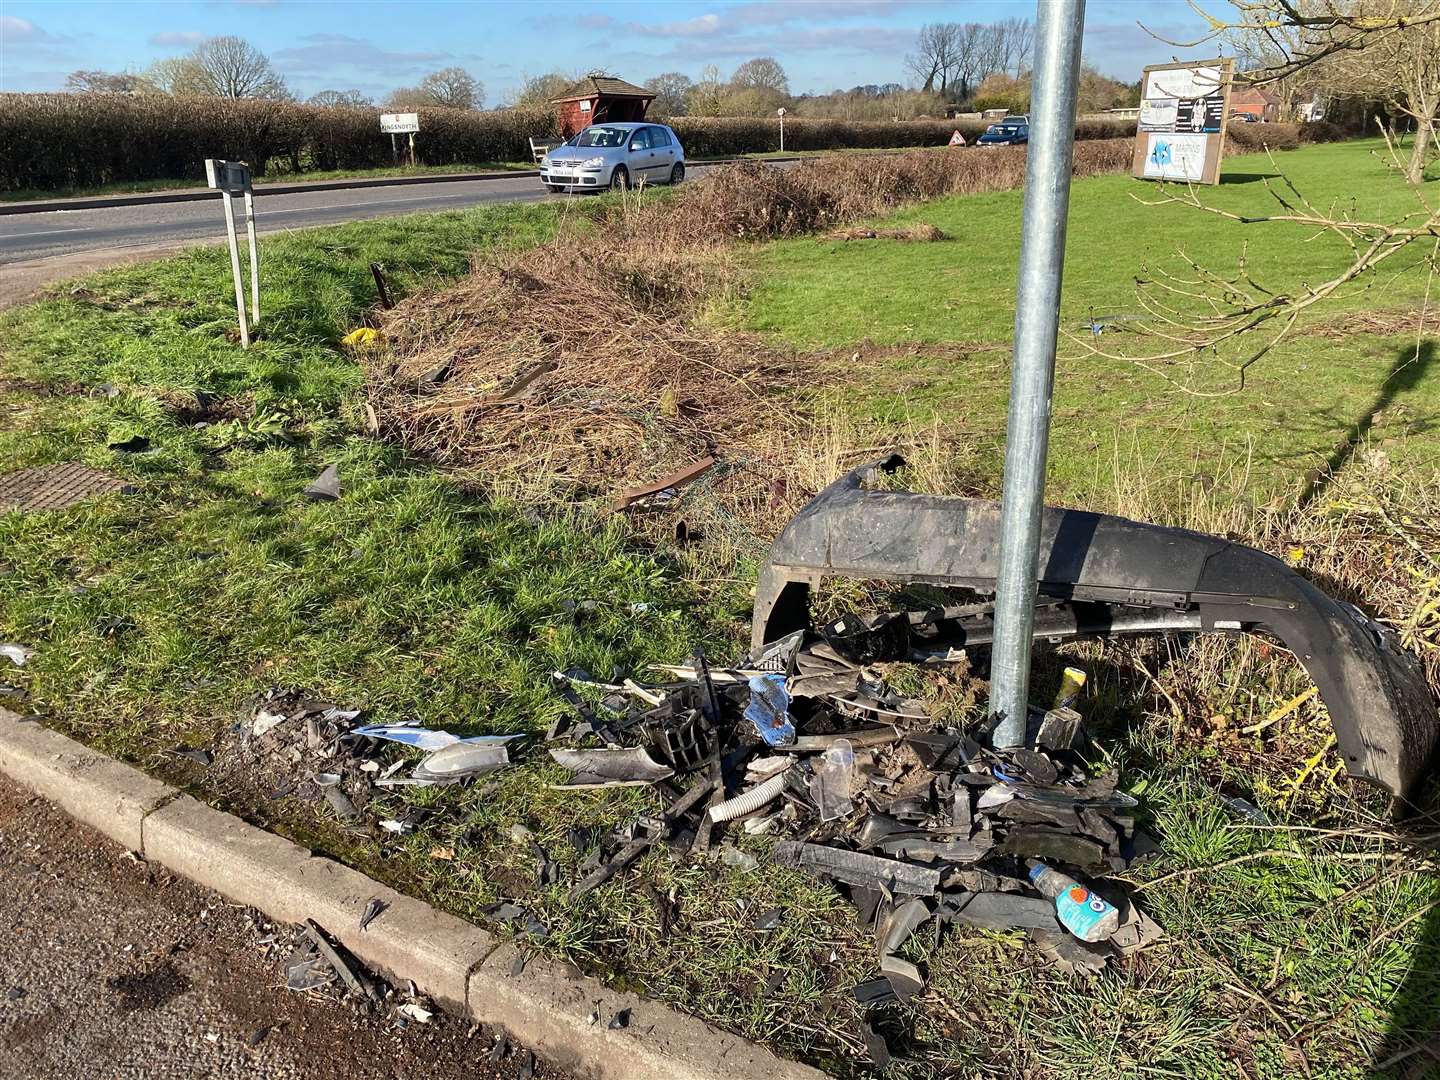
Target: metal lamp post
1059, 26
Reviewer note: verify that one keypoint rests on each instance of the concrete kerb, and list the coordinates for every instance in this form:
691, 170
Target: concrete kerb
549, 1007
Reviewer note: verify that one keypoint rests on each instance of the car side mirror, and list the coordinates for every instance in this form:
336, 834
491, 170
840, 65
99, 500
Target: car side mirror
634, 146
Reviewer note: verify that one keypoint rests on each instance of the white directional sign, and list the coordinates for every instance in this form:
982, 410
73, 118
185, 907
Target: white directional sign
404, 123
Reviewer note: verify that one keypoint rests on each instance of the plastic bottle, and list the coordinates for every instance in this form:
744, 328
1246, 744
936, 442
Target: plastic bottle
1087, 916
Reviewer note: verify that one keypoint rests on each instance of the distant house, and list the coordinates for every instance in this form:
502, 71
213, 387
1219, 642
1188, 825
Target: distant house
1256, 102
596, 99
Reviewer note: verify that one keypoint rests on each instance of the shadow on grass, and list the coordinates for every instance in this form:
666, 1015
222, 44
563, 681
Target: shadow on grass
1245, 177
1411, 1049
1408, 370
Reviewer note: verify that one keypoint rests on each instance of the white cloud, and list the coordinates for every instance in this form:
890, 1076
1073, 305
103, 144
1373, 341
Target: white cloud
324, 54
172, 38
13, 28
700, 26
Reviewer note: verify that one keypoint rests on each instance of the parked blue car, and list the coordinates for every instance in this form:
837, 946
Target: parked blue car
1011, 131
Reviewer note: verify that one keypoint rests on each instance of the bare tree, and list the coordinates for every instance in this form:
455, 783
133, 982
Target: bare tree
1401, 69
707, 95
933, 61
540, 89
104, 82
671, 91
230, 67
449, 88
349, 99
175, 75
764, 73
453, 88
1014, 41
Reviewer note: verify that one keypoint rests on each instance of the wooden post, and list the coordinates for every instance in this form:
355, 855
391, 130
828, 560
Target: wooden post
235, 269
254, 260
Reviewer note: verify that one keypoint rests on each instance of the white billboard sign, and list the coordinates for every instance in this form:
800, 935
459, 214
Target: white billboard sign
405, 123
1175, 157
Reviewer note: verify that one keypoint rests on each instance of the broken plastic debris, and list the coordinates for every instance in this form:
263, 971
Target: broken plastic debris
324, 487
855, 868
197, 754
415, 1012
1245, 810
371, 912
769, 710
1000, 911
17, 654
768, 920
265, 721
340, 802
424, 738
461, 761
632, 767
904, 977
830, 786
736, 859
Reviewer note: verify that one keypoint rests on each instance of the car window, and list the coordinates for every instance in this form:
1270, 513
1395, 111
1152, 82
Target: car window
659, 136
640, 139
602, 137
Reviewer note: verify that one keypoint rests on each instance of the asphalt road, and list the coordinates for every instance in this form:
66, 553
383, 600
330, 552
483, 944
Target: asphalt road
25, 238
113, 968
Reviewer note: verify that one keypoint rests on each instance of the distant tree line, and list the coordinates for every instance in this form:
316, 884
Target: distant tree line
231, 67
954, 65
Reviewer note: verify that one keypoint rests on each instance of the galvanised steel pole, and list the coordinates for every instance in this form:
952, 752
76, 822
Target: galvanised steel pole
1059, 26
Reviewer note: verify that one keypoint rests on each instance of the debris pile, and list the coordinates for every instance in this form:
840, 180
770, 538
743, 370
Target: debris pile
914, 823
289, 744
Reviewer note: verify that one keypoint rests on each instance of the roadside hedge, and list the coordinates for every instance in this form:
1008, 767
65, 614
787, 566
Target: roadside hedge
50, 141
723, 136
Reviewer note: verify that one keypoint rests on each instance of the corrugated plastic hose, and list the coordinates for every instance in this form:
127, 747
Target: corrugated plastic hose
750, 801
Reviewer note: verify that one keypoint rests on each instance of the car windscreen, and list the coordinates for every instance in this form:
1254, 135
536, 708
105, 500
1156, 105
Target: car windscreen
602, 136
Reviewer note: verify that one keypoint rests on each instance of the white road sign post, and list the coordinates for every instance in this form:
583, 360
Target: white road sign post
405, 123
781, 113
232, 178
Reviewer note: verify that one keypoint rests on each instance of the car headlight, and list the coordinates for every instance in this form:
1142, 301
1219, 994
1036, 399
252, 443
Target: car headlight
592, 163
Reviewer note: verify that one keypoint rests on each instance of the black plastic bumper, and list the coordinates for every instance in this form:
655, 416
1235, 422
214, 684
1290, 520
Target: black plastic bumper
1150, 577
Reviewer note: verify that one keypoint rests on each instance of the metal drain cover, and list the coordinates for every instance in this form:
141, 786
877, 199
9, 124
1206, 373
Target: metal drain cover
55, 487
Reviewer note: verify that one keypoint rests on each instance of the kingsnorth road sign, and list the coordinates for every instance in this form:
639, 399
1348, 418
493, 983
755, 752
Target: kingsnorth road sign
404, 123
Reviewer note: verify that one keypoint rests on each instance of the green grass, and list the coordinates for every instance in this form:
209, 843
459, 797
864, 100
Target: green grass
155, 615
125, 187
933, 300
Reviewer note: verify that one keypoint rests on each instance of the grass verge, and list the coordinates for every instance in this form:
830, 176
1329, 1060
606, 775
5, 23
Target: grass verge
156, 615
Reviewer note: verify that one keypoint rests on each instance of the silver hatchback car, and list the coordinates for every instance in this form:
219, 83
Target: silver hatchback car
615, 156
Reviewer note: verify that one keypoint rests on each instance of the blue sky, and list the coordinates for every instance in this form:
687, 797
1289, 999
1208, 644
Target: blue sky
375, 47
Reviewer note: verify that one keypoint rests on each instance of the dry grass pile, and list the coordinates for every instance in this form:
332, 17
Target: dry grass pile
1370, 537
578, 363
750, 200
584, 362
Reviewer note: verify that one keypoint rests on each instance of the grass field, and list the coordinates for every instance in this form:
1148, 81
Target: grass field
155, 615
940, 315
